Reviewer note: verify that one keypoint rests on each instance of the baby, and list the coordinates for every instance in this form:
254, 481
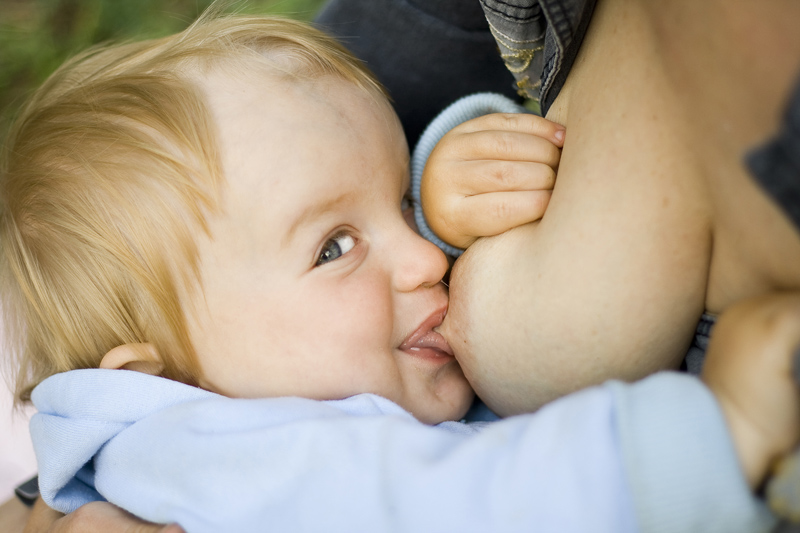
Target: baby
223, 208
116, 201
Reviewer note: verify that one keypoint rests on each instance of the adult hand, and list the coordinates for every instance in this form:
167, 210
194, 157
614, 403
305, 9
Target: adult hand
95, 517
13, 515
489, 175
749, 367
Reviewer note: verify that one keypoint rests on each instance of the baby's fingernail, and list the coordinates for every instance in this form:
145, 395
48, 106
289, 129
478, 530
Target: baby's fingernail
559, 135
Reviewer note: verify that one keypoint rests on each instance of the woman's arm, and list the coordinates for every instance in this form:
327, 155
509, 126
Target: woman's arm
13, 516
95, 517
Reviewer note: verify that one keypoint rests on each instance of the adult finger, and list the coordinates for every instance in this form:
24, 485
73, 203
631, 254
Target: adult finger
517, 122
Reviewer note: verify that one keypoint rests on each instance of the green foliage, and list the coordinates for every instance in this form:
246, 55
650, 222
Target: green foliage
38, 35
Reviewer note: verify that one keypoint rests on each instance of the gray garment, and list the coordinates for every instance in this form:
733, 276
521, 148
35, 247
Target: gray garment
427, 53
776, 164
693, 363
539, 40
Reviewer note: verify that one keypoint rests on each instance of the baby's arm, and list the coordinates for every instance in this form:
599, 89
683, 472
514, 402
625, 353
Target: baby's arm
529, 471
490, 174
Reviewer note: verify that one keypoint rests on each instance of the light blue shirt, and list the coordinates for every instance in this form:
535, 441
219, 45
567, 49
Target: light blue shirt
653, 456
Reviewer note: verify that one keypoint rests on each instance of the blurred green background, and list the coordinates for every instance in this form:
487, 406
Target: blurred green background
36, 36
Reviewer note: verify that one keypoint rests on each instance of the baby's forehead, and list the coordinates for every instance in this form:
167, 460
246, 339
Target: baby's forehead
232, 88
273, 130
264, 93
272, 71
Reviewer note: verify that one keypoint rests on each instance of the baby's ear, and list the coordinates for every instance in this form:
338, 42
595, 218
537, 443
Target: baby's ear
141, 357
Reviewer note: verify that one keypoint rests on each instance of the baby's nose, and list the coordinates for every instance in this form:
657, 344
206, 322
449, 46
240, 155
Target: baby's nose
420, 263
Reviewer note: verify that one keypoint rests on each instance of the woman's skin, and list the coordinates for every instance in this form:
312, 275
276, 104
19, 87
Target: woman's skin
13, 515
663, 102
654, 217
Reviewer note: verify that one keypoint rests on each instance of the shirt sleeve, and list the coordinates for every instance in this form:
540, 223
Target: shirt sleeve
679, 459
462, 110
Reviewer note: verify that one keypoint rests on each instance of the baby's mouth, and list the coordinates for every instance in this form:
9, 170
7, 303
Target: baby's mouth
426, 343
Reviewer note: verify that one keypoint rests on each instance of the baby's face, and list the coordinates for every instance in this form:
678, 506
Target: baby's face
313, 283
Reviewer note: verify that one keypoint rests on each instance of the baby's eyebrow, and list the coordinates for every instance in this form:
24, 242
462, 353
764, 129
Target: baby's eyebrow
313, 211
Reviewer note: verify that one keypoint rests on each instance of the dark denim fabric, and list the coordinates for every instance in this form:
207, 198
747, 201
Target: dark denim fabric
776, 164
693, 362
538, 40
427, 53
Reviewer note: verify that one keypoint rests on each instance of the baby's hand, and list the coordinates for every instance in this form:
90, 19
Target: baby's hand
490, 174
749, 367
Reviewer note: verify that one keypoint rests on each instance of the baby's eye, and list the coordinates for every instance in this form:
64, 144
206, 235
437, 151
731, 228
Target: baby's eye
336, 247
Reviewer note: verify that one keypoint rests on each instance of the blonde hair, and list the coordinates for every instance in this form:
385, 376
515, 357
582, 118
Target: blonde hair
107, 173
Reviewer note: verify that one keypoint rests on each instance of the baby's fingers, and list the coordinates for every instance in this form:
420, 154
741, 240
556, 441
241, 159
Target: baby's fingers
477, 177
517, 122
493, 213
507, 146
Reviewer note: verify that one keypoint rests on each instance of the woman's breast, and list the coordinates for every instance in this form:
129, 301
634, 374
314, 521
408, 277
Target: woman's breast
611, 282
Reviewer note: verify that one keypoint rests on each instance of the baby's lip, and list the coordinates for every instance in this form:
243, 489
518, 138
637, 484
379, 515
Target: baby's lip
424, 336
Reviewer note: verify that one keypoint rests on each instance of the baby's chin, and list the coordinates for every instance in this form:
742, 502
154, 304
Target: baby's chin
449, 399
